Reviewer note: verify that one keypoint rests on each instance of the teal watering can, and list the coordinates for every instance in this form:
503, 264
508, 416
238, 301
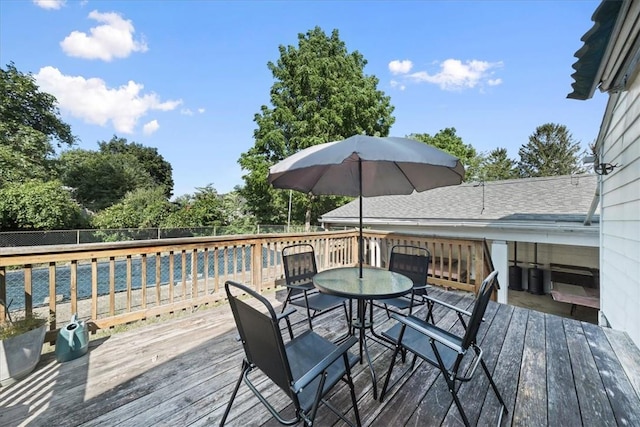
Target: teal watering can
72, 341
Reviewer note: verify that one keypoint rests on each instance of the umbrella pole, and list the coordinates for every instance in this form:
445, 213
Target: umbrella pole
360, 242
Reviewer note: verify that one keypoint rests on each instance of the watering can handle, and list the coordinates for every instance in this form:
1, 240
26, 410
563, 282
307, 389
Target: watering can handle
72, 331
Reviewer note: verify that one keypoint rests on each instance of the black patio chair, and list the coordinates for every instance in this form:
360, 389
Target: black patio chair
299, 263
413, 262
443, 349
305, 368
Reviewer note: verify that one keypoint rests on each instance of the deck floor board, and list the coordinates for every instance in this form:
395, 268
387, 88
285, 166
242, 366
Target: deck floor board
550, 371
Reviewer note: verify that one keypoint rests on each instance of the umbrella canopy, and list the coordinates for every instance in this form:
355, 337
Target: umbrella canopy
367, 166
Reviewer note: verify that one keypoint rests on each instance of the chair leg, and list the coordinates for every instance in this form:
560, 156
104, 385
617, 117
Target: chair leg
386, 380
452, 389
314, 409
286, 301
245, 366
493, 386
352, 389
451, 382
429, 312
346, 315
306, 303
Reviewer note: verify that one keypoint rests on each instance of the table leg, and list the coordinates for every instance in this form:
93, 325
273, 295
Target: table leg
364, 350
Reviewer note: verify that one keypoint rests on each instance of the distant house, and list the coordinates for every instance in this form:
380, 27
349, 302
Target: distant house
610, 61
533, 222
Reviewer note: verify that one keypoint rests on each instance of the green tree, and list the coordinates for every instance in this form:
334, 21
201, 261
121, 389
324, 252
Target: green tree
203, 209
320, 94
447, 140
234, 209
148, 158
99, 179
140, 208
497, 166
551, 151
35, 205
29, 122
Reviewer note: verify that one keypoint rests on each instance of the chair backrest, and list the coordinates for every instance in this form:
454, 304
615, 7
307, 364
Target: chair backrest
261, 337
411, 261
482, 300
299, 262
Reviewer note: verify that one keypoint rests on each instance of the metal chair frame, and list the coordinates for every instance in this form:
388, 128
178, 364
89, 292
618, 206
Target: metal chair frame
413, 262
443, 349
305, 368
299, 264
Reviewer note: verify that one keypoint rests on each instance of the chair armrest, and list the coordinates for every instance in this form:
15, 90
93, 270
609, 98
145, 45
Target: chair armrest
323, 364
301, 287
413, 323
452, 307
287, 313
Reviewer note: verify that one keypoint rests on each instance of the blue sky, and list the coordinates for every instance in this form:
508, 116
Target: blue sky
187, 77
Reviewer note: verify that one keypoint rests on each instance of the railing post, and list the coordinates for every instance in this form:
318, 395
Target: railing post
3, 294
478, 265
256, 265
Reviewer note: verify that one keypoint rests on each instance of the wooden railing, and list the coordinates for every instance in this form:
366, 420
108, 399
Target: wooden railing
455, 263
118, 283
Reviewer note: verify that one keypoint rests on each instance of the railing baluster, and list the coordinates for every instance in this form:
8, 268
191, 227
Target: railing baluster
28, 290
112, 286
52, 296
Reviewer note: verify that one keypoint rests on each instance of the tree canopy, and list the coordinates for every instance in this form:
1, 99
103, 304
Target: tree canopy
140, 208
498, 166
35, 205
25, 106
447, 140
99, 179
320, 94
29, 123
148, 157
550, 151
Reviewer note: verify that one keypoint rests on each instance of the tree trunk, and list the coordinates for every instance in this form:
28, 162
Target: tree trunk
307, 219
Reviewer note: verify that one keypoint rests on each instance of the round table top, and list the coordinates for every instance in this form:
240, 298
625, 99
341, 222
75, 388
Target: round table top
375, 283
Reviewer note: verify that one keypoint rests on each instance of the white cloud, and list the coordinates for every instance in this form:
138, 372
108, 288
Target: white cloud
49, 4
112, 40
92, 101
186, 112
456, 75
398, 85
400, 67
150, 127
201, 110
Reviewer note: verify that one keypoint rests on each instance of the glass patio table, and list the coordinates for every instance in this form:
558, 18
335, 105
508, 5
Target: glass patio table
375, 284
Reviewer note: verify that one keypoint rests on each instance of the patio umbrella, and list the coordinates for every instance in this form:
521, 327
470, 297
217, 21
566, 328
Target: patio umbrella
366, 166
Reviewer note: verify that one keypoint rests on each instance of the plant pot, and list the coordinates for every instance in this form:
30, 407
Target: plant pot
19, 355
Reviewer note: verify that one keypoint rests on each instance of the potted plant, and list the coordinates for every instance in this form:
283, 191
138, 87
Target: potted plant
20, 346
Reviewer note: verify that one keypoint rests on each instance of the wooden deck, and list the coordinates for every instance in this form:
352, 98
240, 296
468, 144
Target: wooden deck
180, 372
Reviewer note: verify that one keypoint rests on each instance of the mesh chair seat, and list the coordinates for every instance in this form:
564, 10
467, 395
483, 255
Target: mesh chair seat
306, 351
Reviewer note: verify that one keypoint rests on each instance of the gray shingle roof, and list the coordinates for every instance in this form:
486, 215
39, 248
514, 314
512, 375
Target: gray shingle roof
559, 198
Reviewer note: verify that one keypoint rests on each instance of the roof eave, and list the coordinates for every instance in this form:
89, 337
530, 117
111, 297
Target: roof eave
596, 49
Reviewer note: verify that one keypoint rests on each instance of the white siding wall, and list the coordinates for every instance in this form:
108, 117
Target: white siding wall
620, 217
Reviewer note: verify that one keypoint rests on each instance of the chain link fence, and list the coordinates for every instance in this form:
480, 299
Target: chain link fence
71, 237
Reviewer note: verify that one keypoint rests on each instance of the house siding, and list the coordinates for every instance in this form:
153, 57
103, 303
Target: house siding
620, 215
